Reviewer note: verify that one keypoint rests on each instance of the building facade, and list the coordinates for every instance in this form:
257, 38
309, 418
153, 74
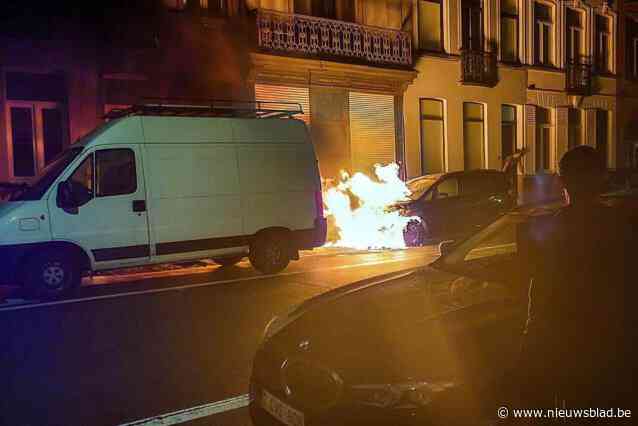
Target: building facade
435, 85
628, 84
495, 76
348, 63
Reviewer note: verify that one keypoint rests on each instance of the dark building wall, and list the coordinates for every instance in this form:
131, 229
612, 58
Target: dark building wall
195, 55
123, 53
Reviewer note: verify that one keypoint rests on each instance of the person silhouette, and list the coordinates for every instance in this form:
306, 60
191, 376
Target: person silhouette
574, 349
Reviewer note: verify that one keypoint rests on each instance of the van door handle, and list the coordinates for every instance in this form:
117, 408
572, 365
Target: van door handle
139, 206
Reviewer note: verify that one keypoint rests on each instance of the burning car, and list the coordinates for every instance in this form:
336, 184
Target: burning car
452, 205
409, 348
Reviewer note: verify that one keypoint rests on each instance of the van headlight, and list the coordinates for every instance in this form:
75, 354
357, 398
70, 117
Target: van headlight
402, 395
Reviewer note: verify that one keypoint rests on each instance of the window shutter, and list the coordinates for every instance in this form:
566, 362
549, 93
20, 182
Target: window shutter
372, 130
273, 93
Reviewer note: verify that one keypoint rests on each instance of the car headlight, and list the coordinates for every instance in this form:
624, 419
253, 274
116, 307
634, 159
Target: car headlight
403, 395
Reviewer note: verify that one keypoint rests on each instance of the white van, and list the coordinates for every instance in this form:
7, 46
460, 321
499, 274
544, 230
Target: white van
160, 185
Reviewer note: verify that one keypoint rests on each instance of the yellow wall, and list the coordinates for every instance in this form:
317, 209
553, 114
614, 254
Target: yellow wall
439, 78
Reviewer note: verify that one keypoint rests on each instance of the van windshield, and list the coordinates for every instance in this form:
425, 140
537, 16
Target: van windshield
49, 174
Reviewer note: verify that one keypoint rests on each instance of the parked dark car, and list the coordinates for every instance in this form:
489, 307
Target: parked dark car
451, 205
427, 346
621, 188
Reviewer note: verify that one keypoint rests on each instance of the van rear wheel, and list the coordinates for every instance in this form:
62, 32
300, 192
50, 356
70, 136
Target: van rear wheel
51, 275
270, 252
228, 261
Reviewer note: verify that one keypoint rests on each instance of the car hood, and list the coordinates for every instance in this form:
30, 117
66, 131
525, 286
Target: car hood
401, 329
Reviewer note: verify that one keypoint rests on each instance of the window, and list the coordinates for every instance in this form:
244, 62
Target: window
431, 25
543, 139
115, 172
631, 52
473, 136
575, 125
574, 36
83, 175
432, 136
508, 131
472, 25
603, 45
509, 31
324, 8
543, 35
22, 138
602, 134
214, 7
447, 188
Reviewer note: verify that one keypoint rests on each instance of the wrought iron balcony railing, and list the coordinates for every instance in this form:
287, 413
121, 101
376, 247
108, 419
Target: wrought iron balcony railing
578, 76
478, 67
314, 36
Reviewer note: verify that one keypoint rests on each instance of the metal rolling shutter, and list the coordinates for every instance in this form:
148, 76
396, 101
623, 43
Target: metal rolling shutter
273, 93
372, 131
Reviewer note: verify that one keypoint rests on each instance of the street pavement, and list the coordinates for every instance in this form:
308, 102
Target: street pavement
148, 342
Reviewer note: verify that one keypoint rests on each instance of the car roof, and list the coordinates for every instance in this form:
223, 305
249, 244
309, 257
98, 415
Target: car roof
458, 173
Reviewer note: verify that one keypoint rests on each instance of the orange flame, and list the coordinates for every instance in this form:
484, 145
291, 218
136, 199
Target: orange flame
370, 224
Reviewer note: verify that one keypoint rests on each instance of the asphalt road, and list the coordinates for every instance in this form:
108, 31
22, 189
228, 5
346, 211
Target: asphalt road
138, 345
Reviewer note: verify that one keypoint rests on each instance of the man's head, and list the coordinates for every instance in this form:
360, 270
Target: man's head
583, 174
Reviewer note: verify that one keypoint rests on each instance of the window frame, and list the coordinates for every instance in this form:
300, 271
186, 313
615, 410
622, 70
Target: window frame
600, 34
538, 161
441, 25
483, 136
515, 17
90, 156
573, 32
539, 24
422, 118
37, 109
513, 123
95, 168
467, 42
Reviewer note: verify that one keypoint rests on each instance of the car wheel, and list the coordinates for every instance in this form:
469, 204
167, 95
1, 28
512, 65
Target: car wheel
52, 275
228, 261
270, 252
415, 233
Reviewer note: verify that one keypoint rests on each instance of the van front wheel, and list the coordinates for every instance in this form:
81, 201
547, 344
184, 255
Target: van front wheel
270, 252
51, 275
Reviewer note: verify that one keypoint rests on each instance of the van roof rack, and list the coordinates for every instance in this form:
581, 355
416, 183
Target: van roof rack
209, 108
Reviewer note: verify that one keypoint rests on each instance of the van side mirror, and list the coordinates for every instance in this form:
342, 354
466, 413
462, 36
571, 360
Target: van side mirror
72, 195
446, 247
64, 197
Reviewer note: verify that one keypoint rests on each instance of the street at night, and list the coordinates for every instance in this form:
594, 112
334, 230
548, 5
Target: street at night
127, 349
318, 212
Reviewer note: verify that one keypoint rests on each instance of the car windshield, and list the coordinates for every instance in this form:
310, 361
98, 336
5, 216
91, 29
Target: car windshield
49, 174
419, 186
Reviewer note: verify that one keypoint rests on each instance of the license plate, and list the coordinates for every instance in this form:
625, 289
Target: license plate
281, 411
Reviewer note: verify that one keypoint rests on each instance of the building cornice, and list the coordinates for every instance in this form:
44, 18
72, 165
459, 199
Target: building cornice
278, 69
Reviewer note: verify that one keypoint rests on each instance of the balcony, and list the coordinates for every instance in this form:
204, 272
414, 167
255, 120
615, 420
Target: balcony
478, 68
578, 73
320, 37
